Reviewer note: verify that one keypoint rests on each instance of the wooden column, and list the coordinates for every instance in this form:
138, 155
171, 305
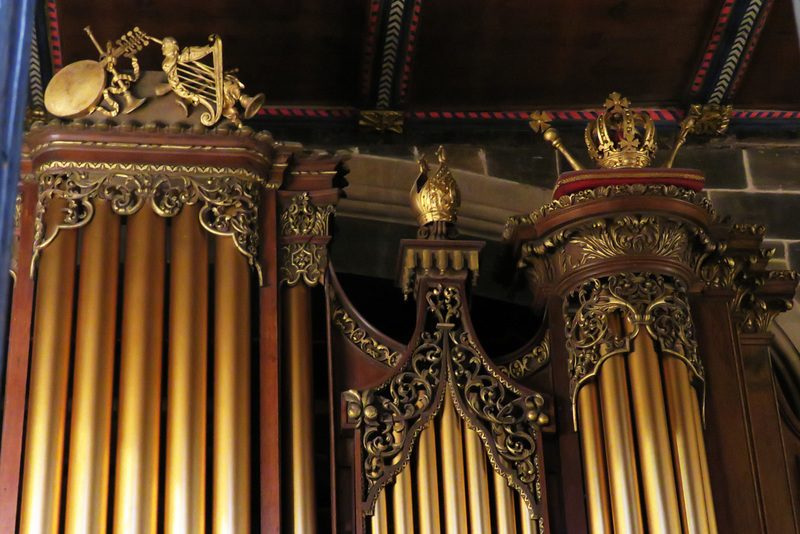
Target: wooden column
727, 432
270, 402
768, 448
19, 345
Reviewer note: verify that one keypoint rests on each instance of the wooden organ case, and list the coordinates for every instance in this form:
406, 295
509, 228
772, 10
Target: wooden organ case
164, 355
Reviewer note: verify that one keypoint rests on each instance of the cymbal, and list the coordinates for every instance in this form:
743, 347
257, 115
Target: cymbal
76, 89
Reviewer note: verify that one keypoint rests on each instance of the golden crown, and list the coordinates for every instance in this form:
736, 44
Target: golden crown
620, 137
435, 198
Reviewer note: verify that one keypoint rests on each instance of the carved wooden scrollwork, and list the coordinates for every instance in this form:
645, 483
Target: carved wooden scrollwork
350, 327
228, 205
445, 360
530, 361
654, 302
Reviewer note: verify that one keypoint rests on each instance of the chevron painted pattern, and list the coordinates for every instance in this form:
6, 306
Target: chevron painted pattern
35, 82
391, 47
735, 53
713, 44
750, 47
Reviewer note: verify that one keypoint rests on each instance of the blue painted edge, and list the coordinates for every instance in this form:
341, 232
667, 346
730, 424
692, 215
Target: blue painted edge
16, 24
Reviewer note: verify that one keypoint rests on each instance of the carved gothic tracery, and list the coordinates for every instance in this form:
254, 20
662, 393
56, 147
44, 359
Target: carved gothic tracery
228, 205
447, 361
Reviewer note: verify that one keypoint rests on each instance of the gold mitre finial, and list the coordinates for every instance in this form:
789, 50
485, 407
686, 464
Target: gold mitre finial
621, 138
435, 199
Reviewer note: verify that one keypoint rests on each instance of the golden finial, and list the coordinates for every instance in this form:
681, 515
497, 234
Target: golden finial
436, 199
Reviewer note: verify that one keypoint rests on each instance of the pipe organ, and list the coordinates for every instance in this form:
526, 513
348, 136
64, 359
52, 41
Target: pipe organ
183, 357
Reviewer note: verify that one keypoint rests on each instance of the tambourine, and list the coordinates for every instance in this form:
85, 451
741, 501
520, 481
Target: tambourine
76, 89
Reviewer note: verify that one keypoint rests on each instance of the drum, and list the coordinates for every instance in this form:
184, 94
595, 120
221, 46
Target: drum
76, 89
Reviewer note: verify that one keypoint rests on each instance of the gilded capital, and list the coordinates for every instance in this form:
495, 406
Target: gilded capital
304, 237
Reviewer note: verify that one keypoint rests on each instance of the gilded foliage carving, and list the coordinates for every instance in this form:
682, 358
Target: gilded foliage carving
303, 261
446, 360
358, 335
629, 190
301, 257
654, 302
531, 361
304, 218
228, 205
632, 235
756, 308
552, 257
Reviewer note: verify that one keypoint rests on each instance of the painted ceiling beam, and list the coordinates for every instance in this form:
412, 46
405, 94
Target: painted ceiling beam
391, 39
729, 50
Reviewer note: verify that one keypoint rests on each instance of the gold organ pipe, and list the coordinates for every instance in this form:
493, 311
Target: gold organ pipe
231, 472
701, 448
653, 436
620, 454
187, 372
428, 483
594, 461
297, 344
477, 483
90, 433
685, 446
47, 402
402, 503
504, 504
529, 525
379, 521
455, 498
136, 483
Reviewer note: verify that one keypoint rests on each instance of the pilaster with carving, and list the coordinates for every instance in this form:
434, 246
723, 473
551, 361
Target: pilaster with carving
304, 237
